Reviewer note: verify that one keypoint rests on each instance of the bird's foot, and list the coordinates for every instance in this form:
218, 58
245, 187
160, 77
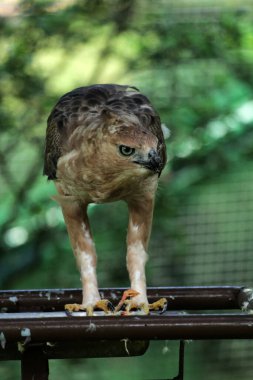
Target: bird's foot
130, 302
160, 305
104, 305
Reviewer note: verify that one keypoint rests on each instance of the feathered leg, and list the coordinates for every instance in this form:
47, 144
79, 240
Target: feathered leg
139, 227
140, 221
76, 219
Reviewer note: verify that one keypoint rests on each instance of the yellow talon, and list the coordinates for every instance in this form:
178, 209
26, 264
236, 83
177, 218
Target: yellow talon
127, 303
159, 305
104, 305
129, 293
70, 307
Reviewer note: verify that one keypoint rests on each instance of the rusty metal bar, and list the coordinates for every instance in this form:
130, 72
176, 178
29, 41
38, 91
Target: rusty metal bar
168, 326
34, 364
180, 375
179, 298
34, 327
76, 349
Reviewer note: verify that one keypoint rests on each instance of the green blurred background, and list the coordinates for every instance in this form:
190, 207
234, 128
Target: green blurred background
194, 60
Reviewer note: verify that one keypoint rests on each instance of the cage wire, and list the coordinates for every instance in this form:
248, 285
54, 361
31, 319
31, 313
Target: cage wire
211, 243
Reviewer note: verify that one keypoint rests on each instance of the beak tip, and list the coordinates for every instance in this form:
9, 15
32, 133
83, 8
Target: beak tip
153, 163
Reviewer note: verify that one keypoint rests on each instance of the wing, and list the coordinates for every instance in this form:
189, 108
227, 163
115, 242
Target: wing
81, 104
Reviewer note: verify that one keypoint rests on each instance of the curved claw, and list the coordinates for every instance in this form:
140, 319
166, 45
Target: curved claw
141, 309
128, 303
126, 297
105, 305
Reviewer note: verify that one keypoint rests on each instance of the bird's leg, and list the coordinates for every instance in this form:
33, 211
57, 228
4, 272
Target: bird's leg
140, 221
76, 219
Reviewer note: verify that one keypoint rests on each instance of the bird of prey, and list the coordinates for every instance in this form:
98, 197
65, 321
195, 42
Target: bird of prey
104, 143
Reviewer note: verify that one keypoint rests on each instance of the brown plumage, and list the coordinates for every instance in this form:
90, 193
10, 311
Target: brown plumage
105, 143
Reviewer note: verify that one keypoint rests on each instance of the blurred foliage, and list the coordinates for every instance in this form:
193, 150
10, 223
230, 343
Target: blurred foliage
194, 61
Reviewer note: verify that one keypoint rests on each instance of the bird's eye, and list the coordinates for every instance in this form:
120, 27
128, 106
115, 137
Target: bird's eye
126, 150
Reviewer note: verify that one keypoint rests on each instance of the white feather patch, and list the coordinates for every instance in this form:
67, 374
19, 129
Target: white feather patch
166, 131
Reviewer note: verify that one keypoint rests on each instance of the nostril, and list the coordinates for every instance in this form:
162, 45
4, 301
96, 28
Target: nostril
154, 156
152, 153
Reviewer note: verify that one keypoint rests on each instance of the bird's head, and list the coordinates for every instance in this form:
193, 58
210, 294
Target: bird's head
136, 149
109, 156
130, 148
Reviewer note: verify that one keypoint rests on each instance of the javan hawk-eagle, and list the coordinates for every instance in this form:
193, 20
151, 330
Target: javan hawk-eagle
105, 143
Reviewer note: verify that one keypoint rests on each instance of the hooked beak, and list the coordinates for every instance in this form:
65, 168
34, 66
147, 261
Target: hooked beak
153, 162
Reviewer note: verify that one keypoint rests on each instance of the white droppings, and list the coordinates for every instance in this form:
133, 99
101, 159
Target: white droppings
113, 296
2, 340
165, 348
125, 344
60, 291
21, 347
92, 327
13, 299
245, 306
25, 332
49, 344
48, 295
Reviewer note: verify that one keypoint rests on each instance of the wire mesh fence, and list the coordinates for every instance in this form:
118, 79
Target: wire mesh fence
211, 242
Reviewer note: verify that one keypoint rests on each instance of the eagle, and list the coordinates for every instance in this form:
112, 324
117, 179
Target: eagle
104, 143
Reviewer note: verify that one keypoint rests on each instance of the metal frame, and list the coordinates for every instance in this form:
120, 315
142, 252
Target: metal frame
34, 328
